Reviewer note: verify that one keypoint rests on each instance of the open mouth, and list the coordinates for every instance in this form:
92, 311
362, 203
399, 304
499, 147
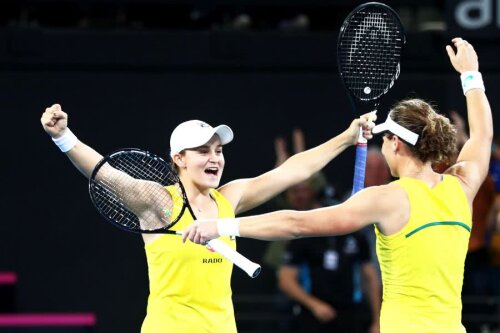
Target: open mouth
212, 171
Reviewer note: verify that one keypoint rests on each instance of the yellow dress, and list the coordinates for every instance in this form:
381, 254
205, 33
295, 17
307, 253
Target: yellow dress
423, 264
189, 284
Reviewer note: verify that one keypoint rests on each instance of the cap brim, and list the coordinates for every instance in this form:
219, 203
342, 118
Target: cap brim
225, 133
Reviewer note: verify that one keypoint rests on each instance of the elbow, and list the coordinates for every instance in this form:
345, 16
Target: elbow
298, 225
486, 133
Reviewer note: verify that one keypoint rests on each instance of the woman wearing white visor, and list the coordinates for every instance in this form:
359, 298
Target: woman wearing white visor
422, 220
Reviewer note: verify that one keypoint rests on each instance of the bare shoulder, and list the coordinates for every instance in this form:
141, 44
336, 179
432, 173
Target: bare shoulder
233, 191
389, 193
393, 206
379, 202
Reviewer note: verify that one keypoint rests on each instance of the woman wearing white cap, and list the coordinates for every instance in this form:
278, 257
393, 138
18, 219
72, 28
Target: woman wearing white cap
190, 291
422, 221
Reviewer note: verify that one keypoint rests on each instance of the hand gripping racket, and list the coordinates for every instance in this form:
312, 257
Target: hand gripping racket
369, 49
139, 192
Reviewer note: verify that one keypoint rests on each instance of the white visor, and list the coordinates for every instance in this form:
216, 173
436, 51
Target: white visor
396, 129
195, 133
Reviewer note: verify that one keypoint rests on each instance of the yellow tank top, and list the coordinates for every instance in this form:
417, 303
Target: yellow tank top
189, 284
423, 264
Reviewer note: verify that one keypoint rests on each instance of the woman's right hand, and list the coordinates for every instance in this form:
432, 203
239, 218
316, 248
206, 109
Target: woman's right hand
324, 312
54, 121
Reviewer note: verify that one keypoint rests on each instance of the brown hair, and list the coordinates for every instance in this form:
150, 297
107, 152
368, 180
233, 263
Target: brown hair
437, 136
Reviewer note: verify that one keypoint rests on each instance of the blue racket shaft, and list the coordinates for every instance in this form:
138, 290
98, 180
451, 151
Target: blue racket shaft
359, 167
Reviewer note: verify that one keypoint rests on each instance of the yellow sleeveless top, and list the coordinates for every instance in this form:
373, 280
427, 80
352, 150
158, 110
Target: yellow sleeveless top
422, 265
189, 284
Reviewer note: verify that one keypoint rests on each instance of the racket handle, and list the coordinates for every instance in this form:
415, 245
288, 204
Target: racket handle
251, 268
359, 167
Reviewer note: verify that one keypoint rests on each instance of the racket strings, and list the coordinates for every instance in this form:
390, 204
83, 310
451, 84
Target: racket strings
369, 52
138, 192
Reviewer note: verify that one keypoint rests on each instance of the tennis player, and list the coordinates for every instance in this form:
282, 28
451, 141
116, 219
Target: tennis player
422, 220
189, 285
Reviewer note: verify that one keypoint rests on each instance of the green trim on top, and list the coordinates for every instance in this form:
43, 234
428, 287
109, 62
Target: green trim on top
432, 224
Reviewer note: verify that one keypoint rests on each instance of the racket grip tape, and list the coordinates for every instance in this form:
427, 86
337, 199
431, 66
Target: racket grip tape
359, 168
249, 267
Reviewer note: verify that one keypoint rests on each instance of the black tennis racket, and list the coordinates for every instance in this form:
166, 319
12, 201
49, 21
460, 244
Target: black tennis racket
369, 49
139, 192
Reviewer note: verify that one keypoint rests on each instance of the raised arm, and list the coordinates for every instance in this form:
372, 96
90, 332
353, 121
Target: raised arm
474, 157
248, 193
85, 159
55, 122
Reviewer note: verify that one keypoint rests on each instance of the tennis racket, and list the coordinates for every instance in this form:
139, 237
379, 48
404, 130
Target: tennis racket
369, 49
139, 192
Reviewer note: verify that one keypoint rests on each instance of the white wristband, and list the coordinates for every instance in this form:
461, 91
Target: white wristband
67, 141
228, 227
471, 80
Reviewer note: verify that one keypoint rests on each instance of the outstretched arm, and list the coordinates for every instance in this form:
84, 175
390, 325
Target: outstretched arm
474, 157
85, 159
245, 194
371, 205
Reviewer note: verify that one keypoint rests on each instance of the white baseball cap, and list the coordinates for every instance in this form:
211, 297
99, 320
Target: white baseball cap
195, 133
390, 125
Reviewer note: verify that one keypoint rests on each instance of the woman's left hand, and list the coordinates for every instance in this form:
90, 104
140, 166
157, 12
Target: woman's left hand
364, 123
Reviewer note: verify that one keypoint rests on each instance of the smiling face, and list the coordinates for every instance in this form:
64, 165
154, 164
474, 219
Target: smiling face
202, 166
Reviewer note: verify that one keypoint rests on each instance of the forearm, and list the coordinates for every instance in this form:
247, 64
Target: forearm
479, 116
298, 294
283, 224
84, 158
315, 159
478, 148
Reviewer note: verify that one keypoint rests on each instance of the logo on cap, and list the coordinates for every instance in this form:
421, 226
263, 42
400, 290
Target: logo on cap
203, 124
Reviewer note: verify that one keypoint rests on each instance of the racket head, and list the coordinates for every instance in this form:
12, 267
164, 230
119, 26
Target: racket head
137, 191
369, 49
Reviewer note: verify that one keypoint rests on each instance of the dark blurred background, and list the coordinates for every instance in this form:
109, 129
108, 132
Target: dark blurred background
127, 72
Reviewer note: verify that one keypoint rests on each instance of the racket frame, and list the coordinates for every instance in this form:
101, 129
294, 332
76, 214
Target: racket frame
356, 101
